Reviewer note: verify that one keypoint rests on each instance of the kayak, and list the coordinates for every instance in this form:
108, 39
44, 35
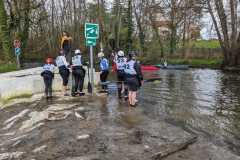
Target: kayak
178, 67
149, 68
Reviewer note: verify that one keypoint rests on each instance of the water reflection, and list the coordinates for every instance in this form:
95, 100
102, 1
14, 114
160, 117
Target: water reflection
205, 100
201, 101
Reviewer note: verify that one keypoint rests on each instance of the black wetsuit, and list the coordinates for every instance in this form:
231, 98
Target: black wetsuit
66, 46
63, 69
78, 73
48, 76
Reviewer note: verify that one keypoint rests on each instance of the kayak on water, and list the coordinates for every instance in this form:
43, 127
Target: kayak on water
180, 67
149, 68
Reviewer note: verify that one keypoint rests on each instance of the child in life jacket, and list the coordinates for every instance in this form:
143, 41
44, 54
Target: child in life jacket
48, 75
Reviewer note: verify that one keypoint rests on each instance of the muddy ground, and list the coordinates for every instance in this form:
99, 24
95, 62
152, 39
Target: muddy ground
97, 128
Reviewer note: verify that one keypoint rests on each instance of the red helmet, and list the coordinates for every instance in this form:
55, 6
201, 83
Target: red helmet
49, 60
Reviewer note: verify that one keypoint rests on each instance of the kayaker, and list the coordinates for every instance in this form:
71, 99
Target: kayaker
78, 73
120, 62
133, 78
165, 63
66, 44
64, 72
104, 70
48, 75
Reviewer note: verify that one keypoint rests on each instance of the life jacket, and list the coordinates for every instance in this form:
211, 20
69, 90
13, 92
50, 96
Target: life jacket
121, 63
104, 65
65, 42
61, 61
129, 68
77, 60
48, 67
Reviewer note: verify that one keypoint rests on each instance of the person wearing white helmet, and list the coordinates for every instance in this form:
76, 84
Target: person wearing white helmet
104, 67
64, 72
78, 74
120, 62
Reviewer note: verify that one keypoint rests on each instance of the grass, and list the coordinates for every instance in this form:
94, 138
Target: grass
216, 63
26, 95
210, 44
7, 68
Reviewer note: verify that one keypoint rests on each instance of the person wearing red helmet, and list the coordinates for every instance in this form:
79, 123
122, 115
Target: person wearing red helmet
48, 75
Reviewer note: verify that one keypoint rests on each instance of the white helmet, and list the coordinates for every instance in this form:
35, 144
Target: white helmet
77, 51
120, 53
100, 54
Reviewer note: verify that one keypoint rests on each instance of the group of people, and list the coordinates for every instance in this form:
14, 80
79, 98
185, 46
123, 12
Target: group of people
64, 67
129, 76
128, 70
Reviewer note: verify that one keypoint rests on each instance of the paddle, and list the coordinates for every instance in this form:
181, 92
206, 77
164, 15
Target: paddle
89, 87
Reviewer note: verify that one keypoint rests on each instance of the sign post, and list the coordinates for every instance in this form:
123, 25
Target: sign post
91, 35
17, 45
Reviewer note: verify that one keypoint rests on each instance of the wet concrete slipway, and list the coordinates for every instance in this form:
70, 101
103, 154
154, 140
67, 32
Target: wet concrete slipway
188, 115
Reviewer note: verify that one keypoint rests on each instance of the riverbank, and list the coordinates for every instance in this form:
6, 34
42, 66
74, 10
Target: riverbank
7, 67
198, 63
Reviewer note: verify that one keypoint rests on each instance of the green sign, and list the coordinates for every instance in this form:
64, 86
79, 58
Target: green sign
91, 42
91, 31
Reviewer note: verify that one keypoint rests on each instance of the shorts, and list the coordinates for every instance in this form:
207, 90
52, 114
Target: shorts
120, 76
64, 72
132, 83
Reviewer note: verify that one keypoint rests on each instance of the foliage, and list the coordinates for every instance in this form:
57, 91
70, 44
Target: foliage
212, 44
7, 67
197, 62
4, 32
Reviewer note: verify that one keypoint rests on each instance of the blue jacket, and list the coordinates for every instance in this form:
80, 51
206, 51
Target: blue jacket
104, 64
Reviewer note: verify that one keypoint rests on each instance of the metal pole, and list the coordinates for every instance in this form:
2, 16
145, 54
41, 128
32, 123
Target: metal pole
91, 63
18, 62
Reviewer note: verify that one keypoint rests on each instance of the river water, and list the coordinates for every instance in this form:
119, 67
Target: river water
196, 109
201, 101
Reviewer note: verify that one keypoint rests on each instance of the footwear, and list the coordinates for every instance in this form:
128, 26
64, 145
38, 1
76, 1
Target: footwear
131, 105
126, 98
81, 94
66, 94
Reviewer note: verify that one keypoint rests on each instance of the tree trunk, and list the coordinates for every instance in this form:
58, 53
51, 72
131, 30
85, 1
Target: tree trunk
155, 29
26, 25
141, 34
5, 33
130, 26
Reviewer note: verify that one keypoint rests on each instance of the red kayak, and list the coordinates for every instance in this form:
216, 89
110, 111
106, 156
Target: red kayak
149, 68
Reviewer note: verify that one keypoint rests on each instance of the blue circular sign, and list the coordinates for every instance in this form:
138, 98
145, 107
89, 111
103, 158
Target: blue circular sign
17, 51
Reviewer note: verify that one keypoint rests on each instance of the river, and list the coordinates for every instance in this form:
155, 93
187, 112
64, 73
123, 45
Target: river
187, 115
201, 101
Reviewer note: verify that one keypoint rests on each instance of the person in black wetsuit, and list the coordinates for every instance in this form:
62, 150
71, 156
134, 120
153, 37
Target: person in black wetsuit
134, 78
63, 70
48, 75
66, 45
78, 73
